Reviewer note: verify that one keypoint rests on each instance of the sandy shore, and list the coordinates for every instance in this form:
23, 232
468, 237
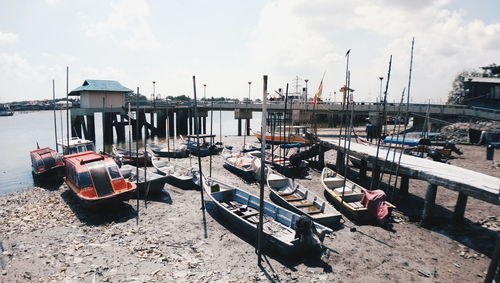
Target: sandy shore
45, 236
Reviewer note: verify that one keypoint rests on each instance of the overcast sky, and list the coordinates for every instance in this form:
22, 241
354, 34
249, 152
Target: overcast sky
228, 43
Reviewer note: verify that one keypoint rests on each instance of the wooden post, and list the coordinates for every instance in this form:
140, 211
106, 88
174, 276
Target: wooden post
405, 185
458, 214
321, 159
119, 127
375, 176
248, 126
239, 128
204, 124
493, 267
182, 122
152, 123
161, 123
339, 163
362, 169
171, 123
430, 202
107, 125
90, 128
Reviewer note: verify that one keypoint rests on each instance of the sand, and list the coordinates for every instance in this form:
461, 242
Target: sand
46, 236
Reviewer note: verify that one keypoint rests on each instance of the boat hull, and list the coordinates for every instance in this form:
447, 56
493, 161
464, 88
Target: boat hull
185, 184
52, 175
102, 202
171, 154
247, 175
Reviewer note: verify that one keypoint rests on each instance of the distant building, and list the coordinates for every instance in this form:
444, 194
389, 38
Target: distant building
482, 92
101, 94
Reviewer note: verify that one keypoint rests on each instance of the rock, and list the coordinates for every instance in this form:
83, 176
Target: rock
4, 272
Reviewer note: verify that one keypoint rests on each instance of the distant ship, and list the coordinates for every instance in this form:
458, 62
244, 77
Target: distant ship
5, 110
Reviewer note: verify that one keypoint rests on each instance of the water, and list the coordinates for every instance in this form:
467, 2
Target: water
21, 132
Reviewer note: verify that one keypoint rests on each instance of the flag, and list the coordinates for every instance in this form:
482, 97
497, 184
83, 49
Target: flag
318, 93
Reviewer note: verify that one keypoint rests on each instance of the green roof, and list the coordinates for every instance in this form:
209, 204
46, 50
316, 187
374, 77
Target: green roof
100, 85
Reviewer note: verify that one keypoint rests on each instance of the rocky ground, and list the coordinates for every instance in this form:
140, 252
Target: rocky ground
46, 236
459, 132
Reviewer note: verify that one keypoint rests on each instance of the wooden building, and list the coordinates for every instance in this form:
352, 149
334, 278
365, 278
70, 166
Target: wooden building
101, 94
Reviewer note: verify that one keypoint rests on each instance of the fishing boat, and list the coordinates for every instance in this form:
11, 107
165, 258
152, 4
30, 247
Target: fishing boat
283, 165
96, 180
241, 209
295, 197
300, 135
152, 184
353, 199
206, 148
5, 110
130, 157
240, 164
181, 152
46, 165
76, 145
178, 176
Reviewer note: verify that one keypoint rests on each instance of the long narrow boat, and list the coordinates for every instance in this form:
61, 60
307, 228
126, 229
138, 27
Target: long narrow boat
96, 179
152, 184
349, 199
240, 164
283, 166
127, 157
295, 197
46, 165
178, 176
181, 152
297, 137
205, 149
241, 209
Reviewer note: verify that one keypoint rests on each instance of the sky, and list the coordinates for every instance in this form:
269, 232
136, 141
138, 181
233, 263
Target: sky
228, 43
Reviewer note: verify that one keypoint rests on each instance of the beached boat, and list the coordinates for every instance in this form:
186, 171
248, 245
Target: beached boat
241, 209
240, 164
300, 135
152, 184
178, 176
96, 180
181, 152
127, 157
46, 165
283, 165
206, 148
295, 197
353, 199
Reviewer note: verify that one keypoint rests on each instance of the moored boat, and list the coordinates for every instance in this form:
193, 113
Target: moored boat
178, 176
96, 180
46, 165
181, 152
76, 145
5, 110
153, 183
240, 164
357, 202
130, 157
301, 135
241, 209
295, 197
205, 148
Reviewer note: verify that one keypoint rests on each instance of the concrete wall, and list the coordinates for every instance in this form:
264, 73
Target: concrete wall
102, 100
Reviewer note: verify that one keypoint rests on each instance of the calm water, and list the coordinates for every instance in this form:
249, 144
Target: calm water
21, 132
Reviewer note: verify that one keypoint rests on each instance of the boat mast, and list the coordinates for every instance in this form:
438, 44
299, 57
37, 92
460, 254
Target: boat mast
54, 102
348, 135
67, 104
211, 131
374, 169
262, 172
284, 129
197, 129
137, 150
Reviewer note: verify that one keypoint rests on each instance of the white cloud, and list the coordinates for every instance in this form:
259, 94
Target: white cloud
306, 37
6, 37
127, 24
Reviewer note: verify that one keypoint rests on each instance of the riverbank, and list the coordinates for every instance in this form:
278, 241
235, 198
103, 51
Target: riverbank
46, 236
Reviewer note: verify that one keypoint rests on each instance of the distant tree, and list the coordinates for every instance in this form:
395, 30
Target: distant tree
457, 93
131, 97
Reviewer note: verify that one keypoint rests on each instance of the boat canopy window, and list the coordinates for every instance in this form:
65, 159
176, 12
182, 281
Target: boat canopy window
114, 172
90, 147
73, 150
81, 148
84, 180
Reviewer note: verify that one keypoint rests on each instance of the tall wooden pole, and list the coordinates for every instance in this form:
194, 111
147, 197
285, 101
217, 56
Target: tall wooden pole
54, 102
197, 130
137, 150
262, 172
67, 104
211, 131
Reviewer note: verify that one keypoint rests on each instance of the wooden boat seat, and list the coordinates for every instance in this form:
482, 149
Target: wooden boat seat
333, 182
347, 191
250, 214
356, 204
292, 197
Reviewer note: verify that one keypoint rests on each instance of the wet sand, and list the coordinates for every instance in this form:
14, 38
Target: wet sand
46, 236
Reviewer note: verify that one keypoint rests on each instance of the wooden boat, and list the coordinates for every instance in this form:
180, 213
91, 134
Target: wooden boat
301, 135
96, 179
295, 197
178, 176
350, 202
153, 184
165, 152
240, 164
206, 148
283, 166
241, 209
46, 165
127, 157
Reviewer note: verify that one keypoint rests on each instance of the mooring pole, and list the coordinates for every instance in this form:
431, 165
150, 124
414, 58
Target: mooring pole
262, 172
137, 151
197, 130
67, 104
54, 102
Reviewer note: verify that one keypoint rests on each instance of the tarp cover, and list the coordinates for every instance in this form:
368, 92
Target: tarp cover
374, 201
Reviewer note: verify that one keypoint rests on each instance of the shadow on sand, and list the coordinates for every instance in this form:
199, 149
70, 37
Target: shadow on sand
163, 196
49, 186
291, 263
118, 213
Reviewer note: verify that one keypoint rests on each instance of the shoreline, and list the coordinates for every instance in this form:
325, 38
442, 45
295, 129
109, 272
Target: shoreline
47, 236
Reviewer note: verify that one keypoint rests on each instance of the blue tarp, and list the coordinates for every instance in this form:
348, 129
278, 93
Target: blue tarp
291, 145
407, 141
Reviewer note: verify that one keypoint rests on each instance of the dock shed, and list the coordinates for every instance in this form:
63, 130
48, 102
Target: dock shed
101, 94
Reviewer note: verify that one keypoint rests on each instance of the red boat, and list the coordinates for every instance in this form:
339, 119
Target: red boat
46, 165
96, 179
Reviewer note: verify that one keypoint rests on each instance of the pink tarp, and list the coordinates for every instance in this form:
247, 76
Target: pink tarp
374, 201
